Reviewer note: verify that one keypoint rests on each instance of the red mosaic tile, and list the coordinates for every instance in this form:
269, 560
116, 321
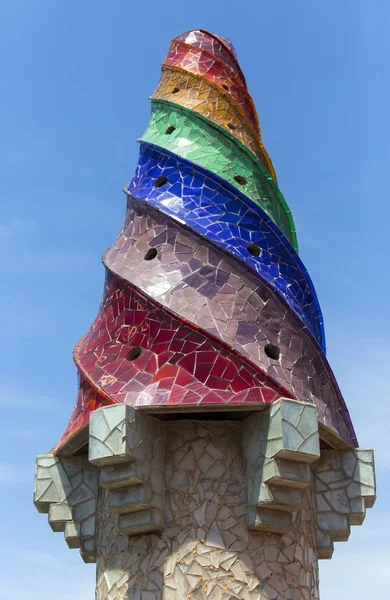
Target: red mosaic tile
192, 366
200, 63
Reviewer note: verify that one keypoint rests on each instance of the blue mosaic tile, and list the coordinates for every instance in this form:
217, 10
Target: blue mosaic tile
214, 209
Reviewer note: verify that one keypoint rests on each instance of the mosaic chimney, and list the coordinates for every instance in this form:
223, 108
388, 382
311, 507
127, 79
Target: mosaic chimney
210, 454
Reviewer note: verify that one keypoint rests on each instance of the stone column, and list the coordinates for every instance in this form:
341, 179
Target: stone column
206, 509
205, 549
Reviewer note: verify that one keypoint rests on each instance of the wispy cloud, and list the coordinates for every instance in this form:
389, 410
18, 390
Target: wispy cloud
355, 575
22, 242
59, 575
358, 568
30, 260
15, 227
16, 397
14, 474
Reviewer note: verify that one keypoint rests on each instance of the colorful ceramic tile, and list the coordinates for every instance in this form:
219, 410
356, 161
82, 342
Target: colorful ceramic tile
138, 354
207, 304
212, 103
218, 47
211, 291
209, 205
198, 62
182, 132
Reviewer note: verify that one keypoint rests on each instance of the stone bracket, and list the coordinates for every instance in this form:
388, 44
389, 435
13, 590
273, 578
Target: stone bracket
128, 446
124, 472
345, 487
279, 445
67, 489
125, 462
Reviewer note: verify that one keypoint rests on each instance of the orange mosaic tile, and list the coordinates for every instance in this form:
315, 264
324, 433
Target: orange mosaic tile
209, 101
198, 61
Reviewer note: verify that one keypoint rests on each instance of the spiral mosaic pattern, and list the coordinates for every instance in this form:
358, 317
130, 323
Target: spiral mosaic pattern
207, 304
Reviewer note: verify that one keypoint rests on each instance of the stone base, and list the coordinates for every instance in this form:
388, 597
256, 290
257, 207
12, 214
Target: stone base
201, 509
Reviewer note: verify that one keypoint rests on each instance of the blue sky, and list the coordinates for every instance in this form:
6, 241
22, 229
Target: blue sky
76, 77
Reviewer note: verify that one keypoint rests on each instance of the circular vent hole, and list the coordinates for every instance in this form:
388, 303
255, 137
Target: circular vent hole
254, 250
225, 87
170, 130
134, 353
231, 126
160, 181
175, 90
272, 351
241, 180
151, 254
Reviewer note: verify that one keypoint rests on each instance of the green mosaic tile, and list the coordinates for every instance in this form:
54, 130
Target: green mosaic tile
197, 140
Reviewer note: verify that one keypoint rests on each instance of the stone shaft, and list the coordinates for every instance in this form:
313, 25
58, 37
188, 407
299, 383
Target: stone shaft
206, 549
190, 508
